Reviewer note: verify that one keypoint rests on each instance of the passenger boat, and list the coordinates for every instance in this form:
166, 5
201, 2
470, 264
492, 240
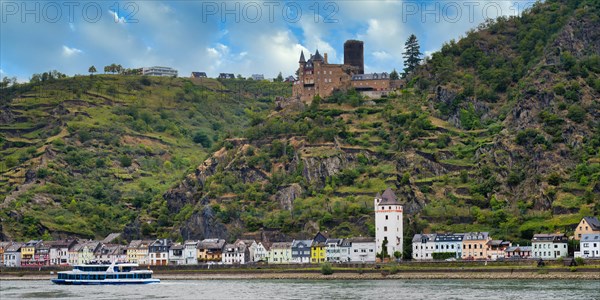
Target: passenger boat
115, 273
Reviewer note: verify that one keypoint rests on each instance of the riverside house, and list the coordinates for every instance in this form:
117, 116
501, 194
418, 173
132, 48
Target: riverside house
587, 225
549, 246
301, 251
210, 250
251, 245
261, 253
132, 249
176, 256
317, 249
337, 250
158, 252
190, 254
590, 245
12, 255
449, 243
497, 248
28, 253
59, 252
518, 252
280, 253
362, 249
423, 246
3, 245
85, 255
237, 253
474, 245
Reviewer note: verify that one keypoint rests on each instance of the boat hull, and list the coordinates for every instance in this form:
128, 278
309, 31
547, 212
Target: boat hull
103, 282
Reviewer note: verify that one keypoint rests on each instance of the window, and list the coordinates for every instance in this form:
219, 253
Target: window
385, 228
386, 217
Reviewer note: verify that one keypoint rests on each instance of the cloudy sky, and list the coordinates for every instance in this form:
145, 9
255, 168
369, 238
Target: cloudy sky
241, 37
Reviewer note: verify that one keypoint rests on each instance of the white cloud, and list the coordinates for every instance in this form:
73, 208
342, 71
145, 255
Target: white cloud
68, 51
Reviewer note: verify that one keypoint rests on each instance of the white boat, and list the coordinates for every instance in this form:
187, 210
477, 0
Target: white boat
115, 273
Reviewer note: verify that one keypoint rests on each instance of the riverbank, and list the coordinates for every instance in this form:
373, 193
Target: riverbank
582, 274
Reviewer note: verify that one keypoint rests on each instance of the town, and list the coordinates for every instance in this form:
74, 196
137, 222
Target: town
384, 247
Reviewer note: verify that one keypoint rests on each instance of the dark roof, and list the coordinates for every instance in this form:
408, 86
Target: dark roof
14, 247
593, 222
420, 238
317, 56
449, 237
319, 237
211, 244
389, 198
198, 74
306, 243
302, 59
556, 238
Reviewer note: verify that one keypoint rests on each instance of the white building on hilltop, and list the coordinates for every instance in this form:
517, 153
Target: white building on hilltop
159, 71
388, 222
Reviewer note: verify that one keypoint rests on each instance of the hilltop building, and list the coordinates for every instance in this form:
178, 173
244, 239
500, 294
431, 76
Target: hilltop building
198, 75
159, 71
388, 222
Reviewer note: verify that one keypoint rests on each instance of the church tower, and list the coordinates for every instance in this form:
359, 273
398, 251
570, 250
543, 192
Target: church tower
388, 222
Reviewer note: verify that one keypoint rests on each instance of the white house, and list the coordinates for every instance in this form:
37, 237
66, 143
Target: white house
449, 243
388, 222
59, 251
337, 250
190, 252
590, 245
549, 246
362, 249
235, 254
176, 254
423, 246
12, 255
260, 252
159, 71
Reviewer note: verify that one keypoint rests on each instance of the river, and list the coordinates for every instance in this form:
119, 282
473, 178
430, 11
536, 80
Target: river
312, 289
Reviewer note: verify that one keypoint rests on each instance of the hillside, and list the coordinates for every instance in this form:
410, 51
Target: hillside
87, 155
497, 131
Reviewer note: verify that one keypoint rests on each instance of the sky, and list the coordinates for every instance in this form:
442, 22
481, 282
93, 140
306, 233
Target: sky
241, 37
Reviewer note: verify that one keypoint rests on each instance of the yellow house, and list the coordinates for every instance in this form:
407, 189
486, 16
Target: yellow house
587, 225
475, 245
28, 252
318, 253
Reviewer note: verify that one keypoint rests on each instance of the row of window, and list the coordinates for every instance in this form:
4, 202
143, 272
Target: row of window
543, 246
588, 244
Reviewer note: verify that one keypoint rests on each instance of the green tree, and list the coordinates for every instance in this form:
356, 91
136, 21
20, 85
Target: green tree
394, 75
384, 253
92, 70
412, 54
279, 78
202, 139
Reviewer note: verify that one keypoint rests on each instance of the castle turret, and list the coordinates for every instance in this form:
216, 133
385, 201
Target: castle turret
302, 60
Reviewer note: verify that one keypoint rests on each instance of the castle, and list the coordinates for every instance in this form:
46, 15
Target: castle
316, 76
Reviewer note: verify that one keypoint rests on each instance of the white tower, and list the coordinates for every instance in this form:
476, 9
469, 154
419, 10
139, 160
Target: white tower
388, 222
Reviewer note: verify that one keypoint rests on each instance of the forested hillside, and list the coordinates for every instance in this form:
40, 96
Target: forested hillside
87, 155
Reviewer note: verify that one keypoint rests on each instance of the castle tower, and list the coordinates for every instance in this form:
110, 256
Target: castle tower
388, 222
354, 55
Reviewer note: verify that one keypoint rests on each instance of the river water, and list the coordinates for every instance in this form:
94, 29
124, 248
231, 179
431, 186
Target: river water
311, 289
